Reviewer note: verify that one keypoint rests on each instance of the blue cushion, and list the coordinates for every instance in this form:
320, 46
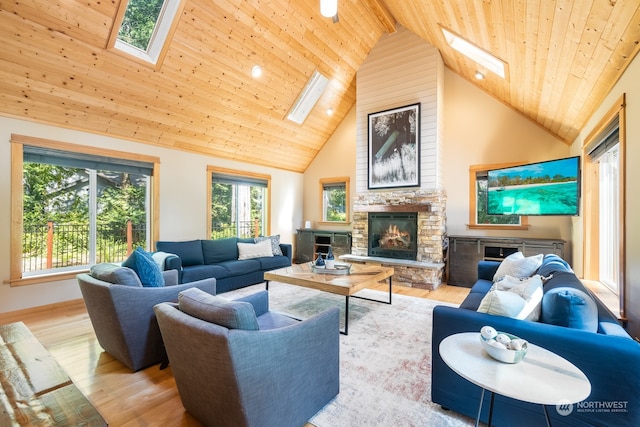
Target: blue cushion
552, 263
570, 307
239, 267
219, 250
273, 262
146, 267
215, 309
190, 251
199, 272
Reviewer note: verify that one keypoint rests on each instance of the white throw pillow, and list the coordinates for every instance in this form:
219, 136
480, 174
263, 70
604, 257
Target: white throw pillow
530, 289
502, 303
517, 265
255, 250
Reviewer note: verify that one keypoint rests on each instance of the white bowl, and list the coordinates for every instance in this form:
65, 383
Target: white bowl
504, 355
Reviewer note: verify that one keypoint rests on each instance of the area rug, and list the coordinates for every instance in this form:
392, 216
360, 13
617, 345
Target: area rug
385, 361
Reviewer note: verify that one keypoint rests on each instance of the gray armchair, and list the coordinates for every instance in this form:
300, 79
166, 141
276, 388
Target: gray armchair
121, 312
278, 374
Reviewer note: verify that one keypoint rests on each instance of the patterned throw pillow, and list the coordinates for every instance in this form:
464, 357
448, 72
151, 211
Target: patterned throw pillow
275, 243
145, 267
517, 265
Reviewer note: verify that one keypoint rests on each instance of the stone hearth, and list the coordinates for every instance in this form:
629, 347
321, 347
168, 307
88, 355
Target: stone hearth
427, 272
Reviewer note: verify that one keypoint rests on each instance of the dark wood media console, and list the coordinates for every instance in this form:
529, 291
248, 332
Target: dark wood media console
465, 252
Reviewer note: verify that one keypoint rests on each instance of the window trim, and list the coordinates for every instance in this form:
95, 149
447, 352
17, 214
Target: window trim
590, 204
473, 213
163, 34
17, 146
239, 173
338, 180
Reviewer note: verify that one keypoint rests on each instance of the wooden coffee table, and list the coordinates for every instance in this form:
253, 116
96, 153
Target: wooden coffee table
360, 277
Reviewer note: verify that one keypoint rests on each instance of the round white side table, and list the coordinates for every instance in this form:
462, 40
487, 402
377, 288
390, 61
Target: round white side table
542, 377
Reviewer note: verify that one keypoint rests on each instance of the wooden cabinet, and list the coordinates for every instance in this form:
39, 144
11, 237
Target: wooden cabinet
309, 242
465, 252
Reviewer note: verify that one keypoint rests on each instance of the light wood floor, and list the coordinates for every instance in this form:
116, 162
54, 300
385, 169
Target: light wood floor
145, 398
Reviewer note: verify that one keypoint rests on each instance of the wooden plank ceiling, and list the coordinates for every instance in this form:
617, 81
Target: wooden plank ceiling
562, 56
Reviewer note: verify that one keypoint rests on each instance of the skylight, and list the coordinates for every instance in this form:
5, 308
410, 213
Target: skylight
473, 52
308, 98
144, 27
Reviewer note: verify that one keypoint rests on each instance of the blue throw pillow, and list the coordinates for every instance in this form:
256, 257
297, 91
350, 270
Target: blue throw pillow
145, 267
565, 306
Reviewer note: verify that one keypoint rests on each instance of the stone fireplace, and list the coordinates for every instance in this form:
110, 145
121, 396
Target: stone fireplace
426, 270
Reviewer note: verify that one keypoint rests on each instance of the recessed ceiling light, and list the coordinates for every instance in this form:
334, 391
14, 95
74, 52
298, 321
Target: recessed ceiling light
479, 75
328, 8
256, 71
473, 52
329, 111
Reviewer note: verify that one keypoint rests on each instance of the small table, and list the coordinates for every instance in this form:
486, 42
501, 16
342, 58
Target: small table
359, 278
35, 388
542, 377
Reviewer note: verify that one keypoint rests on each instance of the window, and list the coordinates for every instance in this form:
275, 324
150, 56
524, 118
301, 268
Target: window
335, 199
143, 28
609, 207
478, 217
238, 204
603, 194
75, 206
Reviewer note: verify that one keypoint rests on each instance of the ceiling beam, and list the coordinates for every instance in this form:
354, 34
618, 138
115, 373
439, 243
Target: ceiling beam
382, 14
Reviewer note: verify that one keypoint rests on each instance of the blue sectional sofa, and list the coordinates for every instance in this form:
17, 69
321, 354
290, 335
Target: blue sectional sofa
610, 358
202, 259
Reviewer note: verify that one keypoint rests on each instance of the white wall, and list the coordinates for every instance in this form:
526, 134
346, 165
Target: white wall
183, 199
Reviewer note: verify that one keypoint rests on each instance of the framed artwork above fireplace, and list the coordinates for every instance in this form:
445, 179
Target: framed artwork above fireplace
394, 148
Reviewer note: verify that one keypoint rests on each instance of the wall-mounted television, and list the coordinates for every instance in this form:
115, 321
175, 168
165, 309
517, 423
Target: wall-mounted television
544, 188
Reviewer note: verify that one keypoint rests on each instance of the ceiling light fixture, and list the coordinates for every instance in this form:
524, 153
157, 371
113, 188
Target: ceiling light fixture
473, 52
308, 98
329, 111
328, 8
256, 71
479, 75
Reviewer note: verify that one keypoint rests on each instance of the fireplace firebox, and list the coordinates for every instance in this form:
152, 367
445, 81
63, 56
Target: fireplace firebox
393, 235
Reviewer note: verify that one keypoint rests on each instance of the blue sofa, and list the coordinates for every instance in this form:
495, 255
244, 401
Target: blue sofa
202, 259
610, 358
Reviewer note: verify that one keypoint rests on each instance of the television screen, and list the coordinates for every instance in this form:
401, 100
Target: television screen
544, 188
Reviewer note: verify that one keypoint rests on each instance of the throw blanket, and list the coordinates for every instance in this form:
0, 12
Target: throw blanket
160, 257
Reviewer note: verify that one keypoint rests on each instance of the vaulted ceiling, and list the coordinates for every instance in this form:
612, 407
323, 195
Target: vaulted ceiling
562, 59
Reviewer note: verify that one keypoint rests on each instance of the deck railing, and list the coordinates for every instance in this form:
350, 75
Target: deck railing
52, 245
243, 229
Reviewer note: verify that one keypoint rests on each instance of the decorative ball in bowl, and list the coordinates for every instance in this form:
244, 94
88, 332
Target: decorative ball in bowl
503, 346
